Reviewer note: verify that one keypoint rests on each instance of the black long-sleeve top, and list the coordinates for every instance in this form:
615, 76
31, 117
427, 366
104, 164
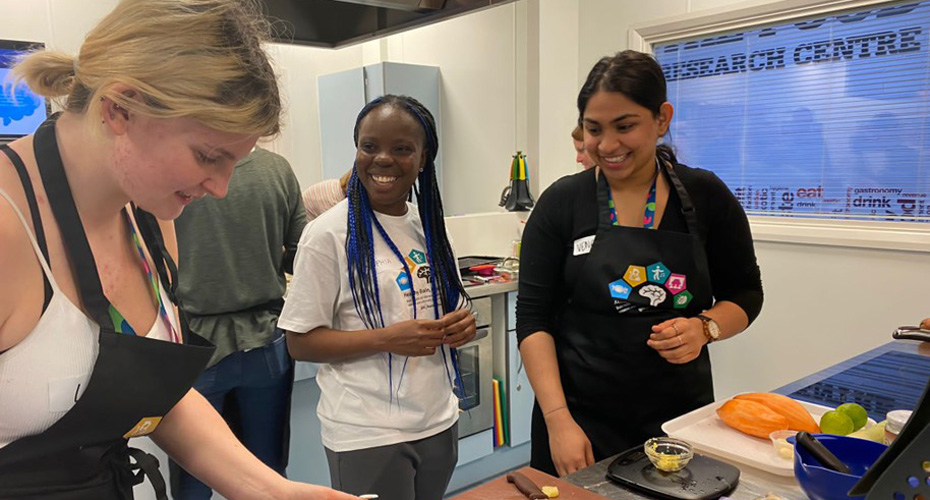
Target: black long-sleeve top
568, 210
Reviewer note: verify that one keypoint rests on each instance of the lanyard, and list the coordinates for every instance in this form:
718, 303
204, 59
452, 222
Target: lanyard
453, 353
403, 261
120, 323
649, 213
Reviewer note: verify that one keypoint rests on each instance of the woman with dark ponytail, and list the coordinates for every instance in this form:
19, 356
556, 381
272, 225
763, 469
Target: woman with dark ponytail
377, 298
628, 271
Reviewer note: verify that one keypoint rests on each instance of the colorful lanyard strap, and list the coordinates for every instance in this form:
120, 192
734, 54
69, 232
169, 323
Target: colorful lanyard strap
119, 322
649, 214
453, 354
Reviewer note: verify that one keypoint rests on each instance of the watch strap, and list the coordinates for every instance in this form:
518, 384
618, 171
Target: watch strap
705, 323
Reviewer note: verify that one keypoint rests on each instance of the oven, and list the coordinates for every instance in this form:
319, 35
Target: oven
476, 405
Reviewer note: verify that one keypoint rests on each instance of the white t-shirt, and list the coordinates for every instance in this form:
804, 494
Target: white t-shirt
357, 409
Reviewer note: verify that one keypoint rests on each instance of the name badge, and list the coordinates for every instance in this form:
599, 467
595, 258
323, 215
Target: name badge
145, 427
583, 245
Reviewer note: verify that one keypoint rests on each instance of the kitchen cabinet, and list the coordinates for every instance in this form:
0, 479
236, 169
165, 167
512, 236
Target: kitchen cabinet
342, 95
520, 395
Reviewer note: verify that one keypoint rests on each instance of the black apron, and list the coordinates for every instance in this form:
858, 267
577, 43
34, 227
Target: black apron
134, 383
618, 389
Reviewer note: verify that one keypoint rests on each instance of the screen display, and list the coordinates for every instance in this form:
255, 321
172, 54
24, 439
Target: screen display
21, 110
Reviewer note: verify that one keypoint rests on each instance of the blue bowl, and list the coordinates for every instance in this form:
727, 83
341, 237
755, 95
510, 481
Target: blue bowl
821, 483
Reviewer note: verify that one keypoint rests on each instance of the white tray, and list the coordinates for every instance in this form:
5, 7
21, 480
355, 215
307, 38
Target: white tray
706, 432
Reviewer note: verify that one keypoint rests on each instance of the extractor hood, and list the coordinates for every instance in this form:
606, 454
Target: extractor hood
337, 23
424, 5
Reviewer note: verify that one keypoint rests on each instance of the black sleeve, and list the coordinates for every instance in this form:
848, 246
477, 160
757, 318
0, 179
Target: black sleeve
734, 272
542, 258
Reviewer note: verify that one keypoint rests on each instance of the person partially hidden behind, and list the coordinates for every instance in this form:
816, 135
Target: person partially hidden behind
627, 271
163, 100
234, 253
324, 195
581, 155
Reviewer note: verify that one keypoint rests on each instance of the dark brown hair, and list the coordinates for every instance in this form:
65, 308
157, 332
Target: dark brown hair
637, 76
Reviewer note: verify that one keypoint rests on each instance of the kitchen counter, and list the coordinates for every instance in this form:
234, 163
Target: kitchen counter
753, 483
890, 376
494, 287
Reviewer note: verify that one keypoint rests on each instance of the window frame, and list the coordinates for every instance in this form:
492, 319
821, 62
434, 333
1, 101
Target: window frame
900, 236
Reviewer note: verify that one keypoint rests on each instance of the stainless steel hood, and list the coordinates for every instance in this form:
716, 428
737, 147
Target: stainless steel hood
337, 23
423, 5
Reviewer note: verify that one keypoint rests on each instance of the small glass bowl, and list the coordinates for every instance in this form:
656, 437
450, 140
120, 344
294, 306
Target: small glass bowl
668, 454
783, 448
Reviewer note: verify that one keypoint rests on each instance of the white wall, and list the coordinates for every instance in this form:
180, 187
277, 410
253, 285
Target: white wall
60, 24
298, 68
823, 304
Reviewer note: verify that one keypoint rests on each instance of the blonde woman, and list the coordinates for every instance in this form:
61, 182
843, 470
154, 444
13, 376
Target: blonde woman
163, 99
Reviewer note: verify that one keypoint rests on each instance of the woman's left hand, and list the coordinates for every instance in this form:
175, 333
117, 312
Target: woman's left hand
460, 327
678, 340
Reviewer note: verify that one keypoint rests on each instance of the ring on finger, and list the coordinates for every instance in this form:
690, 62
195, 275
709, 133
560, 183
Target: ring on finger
677, 331
680, 342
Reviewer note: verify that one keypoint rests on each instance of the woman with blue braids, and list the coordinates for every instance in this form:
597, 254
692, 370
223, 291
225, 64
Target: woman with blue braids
377, 299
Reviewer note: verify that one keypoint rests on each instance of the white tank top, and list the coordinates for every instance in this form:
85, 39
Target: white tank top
46, 373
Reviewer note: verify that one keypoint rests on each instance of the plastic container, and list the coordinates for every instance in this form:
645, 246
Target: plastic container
821, 483
895, 421
668, 454
483, 269
783, 448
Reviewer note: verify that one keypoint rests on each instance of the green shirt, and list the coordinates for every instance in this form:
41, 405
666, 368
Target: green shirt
233, 253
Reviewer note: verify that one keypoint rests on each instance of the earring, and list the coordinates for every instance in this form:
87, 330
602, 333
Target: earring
421, 169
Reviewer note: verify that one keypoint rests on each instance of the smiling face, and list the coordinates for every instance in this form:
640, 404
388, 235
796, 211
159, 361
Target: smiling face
620, 135
390, 152
164, 164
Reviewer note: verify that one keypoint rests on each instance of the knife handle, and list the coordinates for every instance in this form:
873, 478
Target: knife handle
821, 453
911, 333
526, 486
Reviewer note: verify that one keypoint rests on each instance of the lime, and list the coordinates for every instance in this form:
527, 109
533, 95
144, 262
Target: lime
836, 422
856, 413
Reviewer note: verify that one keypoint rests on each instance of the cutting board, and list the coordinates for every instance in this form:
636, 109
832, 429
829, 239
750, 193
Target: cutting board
500, 489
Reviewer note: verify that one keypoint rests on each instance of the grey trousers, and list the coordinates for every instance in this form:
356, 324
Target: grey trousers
415, 470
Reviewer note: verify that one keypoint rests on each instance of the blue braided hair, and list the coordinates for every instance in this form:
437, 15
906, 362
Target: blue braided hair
447, 289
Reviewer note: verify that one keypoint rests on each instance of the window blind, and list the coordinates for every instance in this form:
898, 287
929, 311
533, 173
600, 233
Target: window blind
826, 117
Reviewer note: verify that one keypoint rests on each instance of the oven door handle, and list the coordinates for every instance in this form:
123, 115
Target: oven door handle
481, 333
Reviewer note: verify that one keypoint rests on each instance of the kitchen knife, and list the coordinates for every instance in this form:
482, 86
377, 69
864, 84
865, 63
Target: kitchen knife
911, 333
526, 486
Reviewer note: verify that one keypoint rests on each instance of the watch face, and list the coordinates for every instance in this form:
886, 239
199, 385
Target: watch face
713, 329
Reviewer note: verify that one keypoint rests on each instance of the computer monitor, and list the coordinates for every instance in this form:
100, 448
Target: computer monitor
21, 110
